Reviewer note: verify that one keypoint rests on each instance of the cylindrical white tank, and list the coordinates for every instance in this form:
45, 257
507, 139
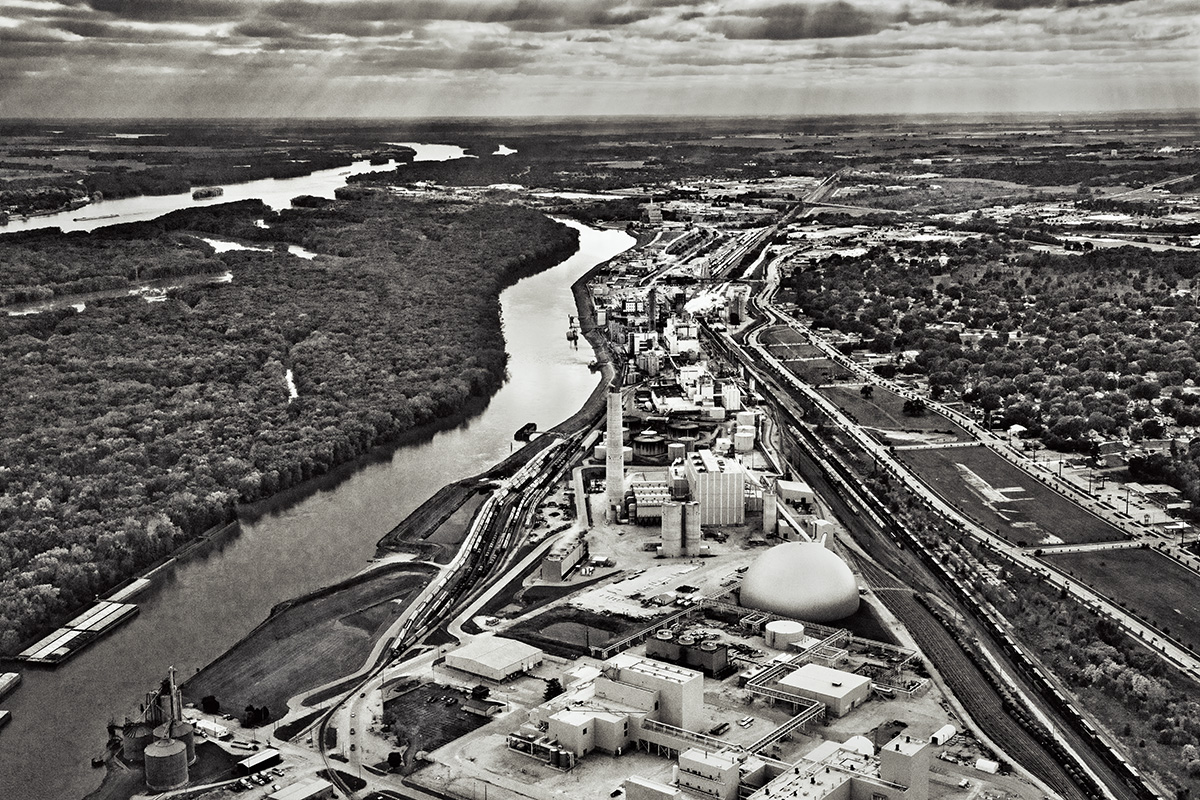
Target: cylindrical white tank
782, 633
676, 451
743, 440
166, 765
746, 418
599, 452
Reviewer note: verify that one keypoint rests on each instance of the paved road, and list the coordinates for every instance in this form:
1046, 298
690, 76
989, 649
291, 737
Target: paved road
1152, 637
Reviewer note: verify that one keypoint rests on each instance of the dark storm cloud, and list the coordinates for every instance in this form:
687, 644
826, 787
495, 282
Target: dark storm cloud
1021, 5
790, 21
169, 10
548, 15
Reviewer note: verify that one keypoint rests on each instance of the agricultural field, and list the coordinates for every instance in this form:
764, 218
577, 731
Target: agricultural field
883, 412
1005, 499
1149, 584
314, 641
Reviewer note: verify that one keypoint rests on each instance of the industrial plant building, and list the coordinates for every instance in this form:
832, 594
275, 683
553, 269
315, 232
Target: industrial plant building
494, 657
839, 691
718, 484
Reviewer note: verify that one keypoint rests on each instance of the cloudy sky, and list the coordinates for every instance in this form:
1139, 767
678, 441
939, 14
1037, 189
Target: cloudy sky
388, 58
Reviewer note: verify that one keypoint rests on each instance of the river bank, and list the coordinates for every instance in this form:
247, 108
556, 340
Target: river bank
324, 532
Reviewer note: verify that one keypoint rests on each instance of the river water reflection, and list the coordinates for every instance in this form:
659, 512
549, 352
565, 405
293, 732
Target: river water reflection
198, 608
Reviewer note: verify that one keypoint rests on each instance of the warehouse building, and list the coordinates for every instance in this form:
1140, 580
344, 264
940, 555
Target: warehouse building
839, 691
313, 788
495, 658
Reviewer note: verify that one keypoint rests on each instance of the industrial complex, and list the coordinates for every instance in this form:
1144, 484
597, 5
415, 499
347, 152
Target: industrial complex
661, 602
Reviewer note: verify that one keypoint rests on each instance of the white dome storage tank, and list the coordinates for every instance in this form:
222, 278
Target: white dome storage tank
801, 580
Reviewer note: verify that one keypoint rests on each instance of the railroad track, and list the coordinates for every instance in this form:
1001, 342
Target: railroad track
978, 696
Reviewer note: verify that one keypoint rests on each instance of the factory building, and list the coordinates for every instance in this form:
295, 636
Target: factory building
494, 657
639, 788
834, 771
840, 691
731, 396
710, 774
796, 492
629, 700
263, 759
848, 770
563, 557
718, 484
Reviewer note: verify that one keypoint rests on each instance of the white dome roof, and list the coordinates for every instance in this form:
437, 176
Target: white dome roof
802, 580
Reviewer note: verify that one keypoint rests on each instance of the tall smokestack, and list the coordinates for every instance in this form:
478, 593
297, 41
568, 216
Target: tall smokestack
614, 457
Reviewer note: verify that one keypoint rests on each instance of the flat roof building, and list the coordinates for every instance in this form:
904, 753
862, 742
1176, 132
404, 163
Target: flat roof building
495, 658
312, 788
839, 691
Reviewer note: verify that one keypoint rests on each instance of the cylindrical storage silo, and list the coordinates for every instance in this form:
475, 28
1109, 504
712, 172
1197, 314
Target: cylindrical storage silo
685, 430
676, 451
599, 451
180, 731
627, 454
691, 527
745, 418
649, 445
134, 740
166, 765
782, 633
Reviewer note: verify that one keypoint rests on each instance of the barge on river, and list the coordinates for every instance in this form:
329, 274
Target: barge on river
78, 633
8, 682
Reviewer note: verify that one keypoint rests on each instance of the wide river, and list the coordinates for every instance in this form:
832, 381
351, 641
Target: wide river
196, 609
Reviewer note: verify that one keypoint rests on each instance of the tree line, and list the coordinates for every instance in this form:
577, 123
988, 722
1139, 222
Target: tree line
132, 427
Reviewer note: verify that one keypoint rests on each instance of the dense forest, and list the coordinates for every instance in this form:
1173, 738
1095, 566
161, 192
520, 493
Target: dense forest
132, 427
1074, 348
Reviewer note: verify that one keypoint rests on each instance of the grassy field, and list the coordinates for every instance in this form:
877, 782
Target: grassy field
1148, 583
1003, 498
565, 631
885, 409
314, 641
785, 343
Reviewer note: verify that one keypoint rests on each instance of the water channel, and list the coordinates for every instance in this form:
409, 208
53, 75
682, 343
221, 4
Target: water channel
198, 607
